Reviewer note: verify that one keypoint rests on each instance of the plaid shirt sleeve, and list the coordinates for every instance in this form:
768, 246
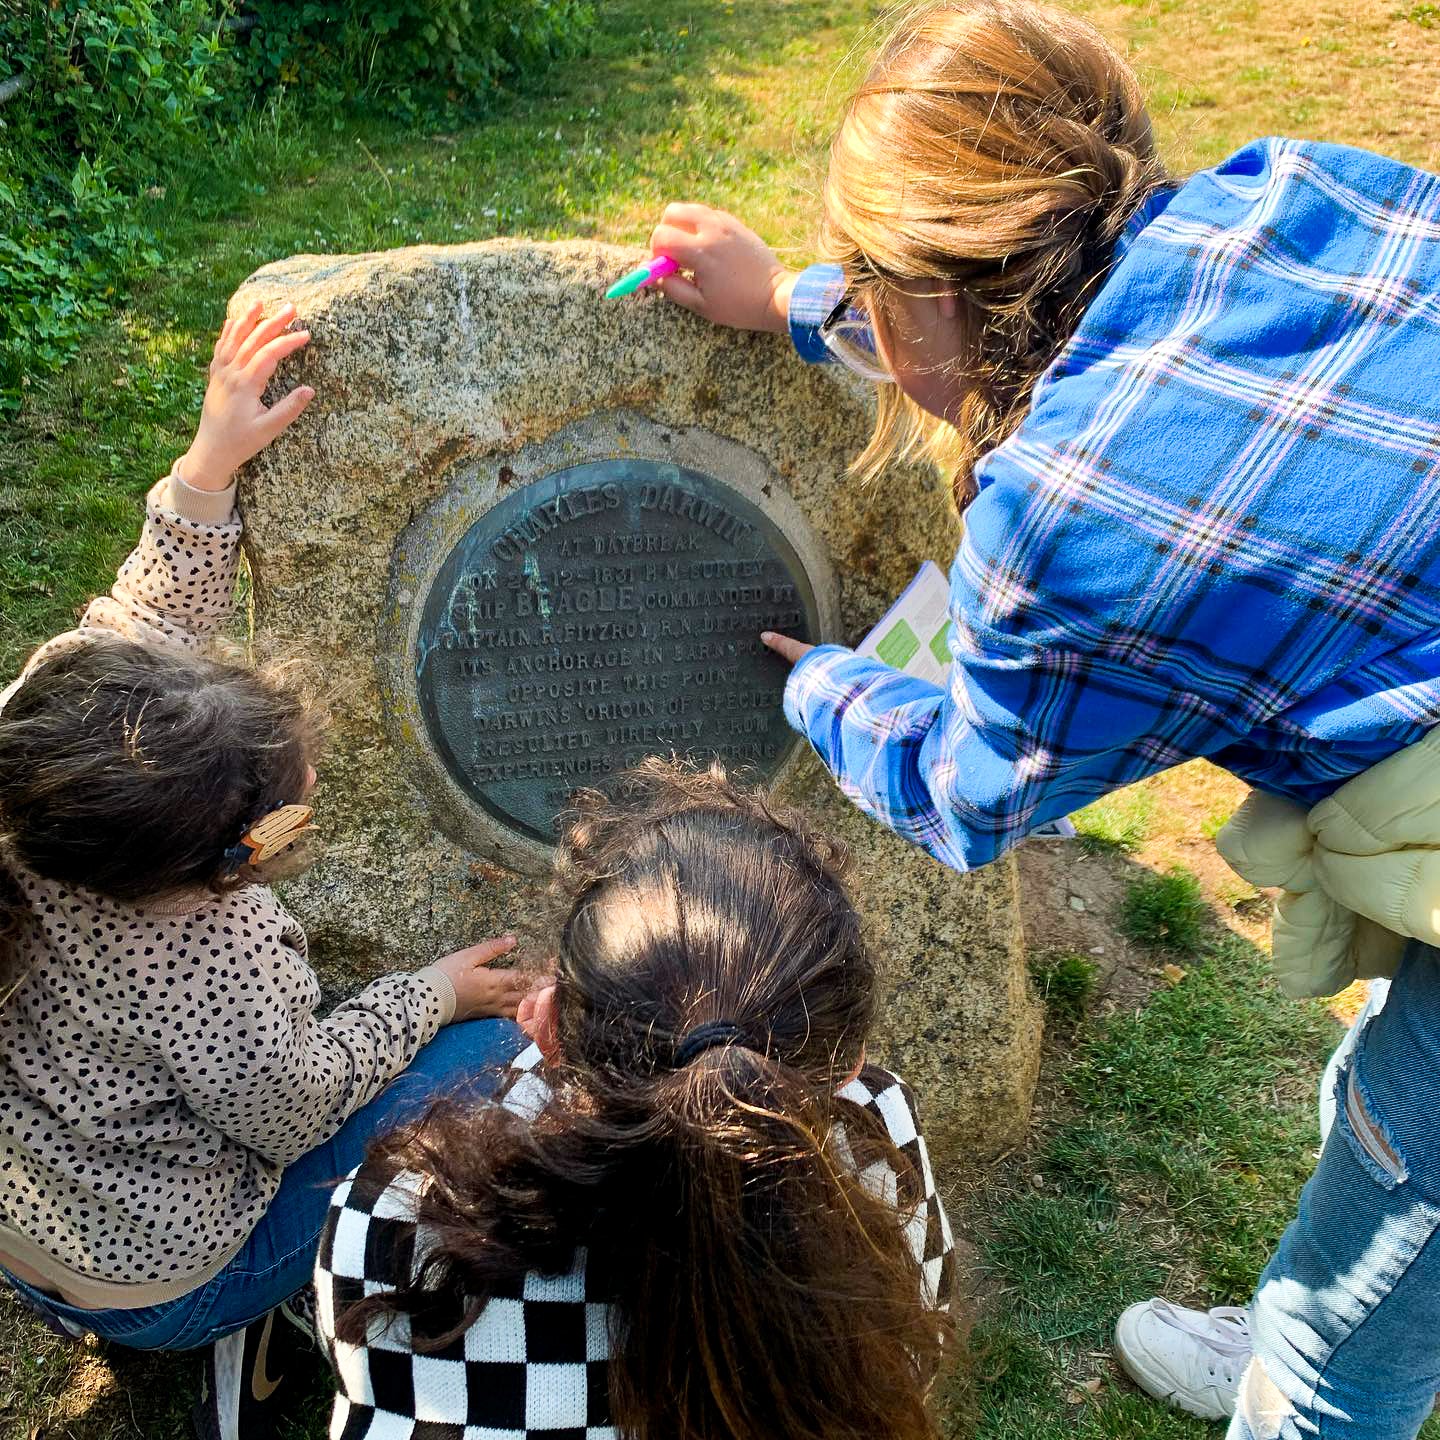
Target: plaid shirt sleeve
1028, 731
817, 292
1211, 535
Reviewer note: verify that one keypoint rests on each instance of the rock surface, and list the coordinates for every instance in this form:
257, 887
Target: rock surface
430, 361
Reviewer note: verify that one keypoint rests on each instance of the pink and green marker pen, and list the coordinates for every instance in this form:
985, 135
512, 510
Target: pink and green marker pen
646, 274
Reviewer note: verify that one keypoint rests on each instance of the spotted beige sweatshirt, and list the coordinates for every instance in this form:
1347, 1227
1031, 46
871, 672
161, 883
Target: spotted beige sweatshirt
161, 1064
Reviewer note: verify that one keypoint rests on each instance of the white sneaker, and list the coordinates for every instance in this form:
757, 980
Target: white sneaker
1192, 1359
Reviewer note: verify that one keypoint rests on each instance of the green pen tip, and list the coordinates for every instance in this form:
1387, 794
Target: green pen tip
628, 284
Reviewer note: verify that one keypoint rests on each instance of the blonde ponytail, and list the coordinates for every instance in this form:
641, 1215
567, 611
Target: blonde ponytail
997, 148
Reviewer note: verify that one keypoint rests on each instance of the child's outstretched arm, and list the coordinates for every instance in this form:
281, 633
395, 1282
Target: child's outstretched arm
178, 584
241, 1038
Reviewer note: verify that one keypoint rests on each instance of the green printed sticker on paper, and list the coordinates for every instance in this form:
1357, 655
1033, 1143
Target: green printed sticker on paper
898, 646
940, 644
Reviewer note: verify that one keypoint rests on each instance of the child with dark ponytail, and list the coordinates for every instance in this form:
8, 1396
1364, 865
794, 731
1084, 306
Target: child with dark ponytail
697, 1210
173, 1112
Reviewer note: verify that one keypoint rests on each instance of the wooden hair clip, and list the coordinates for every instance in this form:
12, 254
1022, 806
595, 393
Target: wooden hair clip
271, 834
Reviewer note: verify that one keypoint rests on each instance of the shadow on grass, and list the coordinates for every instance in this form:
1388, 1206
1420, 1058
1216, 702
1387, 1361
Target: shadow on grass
56, 1390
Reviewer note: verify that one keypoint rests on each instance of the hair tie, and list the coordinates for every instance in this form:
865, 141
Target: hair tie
705, 1037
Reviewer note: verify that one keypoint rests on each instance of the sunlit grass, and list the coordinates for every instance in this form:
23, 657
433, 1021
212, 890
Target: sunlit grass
1120, 822
1170, 1165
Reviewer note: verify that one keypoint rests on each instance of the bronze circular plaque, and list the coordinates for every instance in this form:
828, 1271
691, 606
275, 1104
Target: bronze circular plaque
606, 612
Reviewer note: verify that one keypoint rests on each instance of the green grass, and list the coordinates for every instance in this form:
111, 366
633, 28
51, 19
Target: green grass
1118, 823
1166, 910
1216, 821
1183, 1134
1065, 984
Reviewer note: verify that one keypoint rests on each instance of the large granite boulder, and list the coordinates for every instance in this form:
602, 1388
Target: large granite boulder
529, 535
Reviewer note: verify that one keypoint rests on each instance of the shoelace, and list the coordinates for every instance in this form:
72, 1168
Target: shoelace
299, 1310
1223, 1318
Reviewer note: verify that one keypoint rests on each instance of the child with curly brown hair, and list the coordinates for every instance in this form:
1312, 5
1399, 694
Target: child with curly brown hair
172, 1111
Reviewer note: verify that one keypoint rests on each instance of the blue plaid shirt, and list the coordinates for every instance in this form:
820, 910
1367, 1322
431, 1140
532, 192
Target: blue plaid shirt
1217, 531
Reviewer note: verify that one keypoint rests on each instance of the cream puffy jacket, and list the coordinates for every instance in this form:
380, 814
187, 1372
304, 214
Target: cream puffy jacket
1360, 871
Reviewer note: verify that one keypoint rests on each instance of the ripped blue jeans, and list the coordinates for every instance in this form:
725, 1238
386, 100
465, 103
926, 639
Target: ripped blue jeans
1346, 1320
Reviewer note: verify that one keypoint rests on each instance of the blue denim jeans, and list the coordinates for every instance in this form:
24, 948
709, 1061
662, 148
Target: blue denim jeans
1346, 1320
279, 1257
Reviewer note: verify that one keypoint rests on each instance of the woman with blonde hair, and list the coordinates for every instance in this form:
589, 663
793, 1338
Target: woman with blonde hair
1192, 424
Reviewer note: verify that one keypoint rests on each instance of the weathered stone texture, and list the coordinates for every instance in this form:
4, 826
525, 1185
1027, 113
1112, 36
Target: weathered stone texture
433, 363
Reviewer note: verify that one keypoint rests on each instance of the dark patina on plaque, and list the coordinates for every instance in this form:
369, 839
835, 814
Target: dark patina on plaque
606, 612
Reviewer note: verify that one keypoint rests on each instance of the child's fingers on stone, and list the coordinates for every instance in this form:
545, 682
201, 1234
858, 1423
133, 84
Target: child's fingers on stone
236, 329
263, 333
262, 363
285, 412
487, 950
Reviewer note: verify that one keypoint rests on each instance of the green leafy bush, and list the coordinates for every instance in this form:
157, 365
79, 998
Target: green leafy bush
115, 91
66, 249
110, 91
118, 84
410, 55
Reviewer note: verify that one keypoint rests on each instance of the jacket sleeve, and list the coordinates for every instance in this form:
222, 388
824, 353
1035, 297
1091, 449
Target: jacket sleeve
1035, 723
178, 584
250, 1056
912, 1191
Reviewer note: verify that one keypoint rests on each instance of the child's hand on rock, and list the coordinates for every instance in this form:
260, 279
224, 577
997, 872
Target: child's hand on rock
735, 278
235, 424
480, 991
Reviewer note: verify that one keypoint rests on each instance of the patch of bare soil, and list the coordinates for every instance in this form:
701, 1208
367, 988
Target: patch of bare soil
1071, 896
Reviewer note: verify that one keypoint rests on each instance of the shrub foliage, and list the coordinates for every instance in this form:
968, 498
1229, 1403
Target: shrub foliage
411, 55
115, 90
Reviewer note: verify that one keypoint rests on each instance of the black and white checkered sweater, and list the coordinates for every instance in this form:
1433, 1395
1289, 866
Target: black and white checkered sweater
536, 1361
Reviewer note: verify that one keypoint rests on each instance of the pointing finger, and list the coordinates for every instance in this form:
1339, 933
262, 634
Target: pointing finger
785, 647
